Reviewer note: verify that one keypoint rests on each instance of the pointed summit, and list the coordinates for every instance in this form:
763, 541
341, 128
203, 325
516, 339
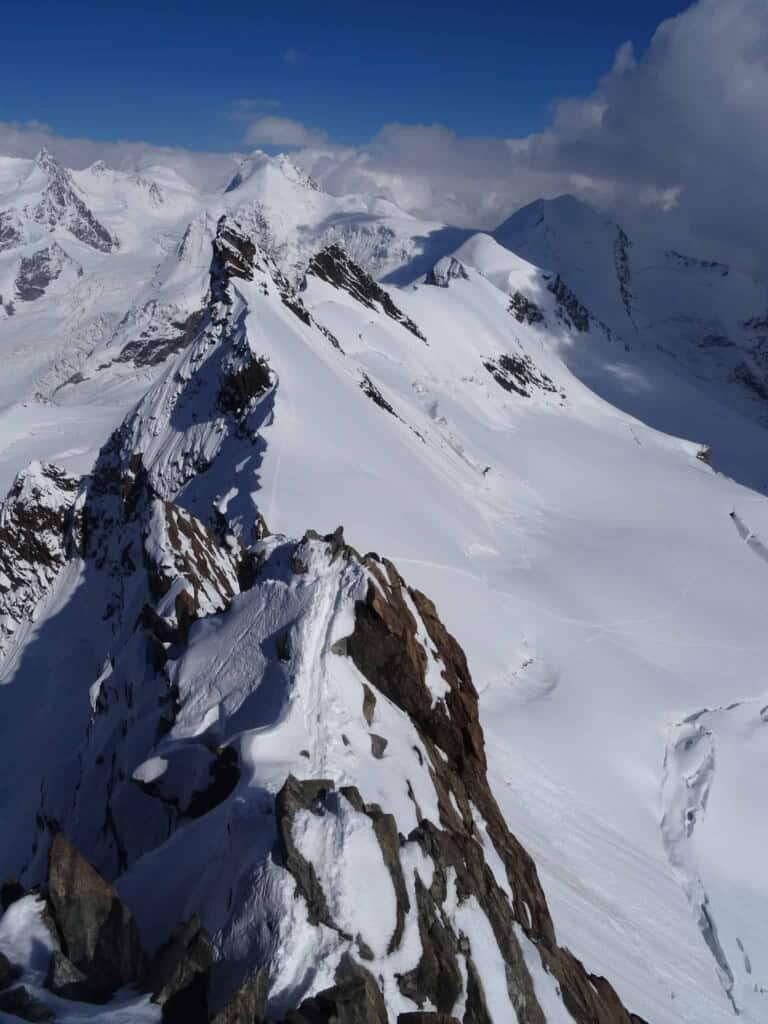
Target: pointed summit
564, 213
48, 163
61, 206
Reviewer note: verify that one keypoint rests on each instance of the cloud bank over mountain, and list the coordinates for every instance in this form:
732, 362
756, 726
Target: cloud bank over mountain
666, 134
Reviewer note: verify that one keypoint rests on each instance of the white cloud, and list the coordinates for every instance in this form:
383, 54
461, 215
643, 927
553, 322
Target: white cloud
678, 134
203, 170
281, 131
293, 56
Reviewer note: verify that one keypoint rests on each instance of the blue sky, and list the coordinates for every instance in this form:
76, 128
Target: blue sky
173, 73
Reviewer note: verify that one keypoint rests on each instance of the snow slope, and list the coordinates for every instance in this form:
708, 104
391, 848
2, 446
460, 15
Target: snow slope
606, 584
684, 329
118, 263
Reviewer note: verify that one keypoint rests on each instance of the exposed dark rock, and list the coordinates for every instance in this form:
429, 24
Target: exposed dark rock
295, 796
569, 309
369, 388
67, 981
385, 649
61, 205
38, 271
190, 1004
704, 454
153, 347
191, 552
445, 271
10, 891
247, 1004
378, 745
437, 976
621, 247
35, 521
369, 700
241, 386
96, 930
336, 547
525, 310
354, 999
681, 260
11, 230
333, 265
8, 972
19, 1002
385, 829
476, 1011
234, 254
518, 374
186, 954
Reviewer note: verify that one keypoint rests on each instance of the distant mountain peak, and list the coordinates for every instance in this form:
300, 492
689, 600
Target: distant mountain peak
565, 212
60, 205
259, 162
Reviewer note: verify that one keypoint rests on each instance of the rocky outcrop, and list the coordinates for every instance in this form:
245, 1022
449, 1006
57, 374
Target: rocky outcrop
679, 259
295, 796
369, 388
354, 999
61, 206
11, 229
525, 310
519, 374
621, 247
35, 522
96, 931
569, 310
19, 1002
193, 756
186, 954
446, 270
334, 266
386, 650
37, 272
246, 380
156, 332
247, 1004
69, 982
191, 574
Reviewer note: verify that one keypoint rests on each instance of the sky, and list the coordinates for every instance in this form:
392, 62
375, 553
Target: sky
174, 74
653, 111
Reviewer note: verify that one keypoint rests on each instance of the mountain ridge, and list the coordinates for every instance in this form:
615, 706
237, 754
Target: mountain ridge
186, 647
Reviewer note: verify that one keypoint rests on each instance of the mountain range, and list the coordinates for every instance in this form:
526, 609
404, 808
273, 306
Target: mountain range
489, 751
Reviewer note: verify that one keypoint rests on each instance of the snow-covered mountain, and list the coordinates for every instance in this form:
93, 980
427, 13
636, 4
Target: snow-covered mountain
698, 321
506, 765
